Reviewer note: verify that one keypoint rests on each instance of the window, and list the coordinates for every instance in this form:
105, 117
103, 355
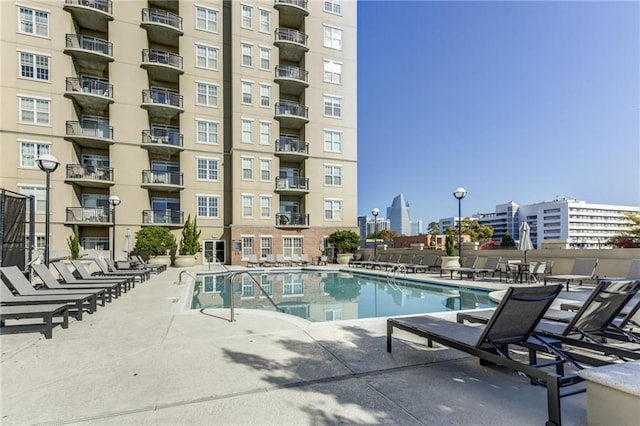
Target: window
247, 206
265, 133
207, 94
33, 66
95, 243
265, 58
206, 57
207, 131
246, 12
332, 175
247, 168
332, 106
208, 206
39, 243
333, 72
247, 53
34, 22
206, 19
332, 37
333, 6
265, 249
265, 95
40, 197
332, 209
34, 111
30, 151
207, 169
265, 169
247, 131
247, 246
265, 21
247, 92
265, 206
292, 246
332, 141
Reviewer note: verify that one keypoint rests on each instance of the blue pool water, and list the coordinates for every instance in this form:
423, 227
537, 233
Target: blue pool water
329, 296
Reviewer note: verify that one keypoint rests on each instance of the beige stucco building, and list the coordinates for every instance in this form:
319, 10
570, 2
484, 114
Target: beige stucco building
240, 113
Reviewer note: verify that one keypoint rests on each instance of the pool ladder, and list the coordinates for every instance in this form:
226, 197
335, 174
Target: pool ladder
396, 270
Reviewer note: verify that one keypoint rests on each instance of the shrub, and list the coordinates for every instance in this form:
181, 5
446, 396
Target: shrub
344, 240
449, 245
507, 241
190, 241
155, 241
74, 243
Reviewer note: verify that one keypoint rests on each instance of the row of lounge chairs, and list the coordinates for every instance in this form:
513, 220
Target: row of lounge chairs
279, 260
74, 293
604, 330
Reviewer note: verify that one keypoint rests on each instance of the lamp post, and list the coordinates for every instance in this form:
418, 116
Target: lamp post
375, 212
114, 200
460, 193
48, 164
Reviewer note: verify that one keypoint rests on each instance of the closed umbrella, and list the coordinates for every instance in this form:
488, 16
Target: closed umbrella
127, 242
525, 239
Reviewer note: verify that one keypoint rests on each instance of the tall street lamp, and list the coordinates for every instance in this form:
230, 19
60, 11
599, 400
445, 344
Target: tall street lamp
48, 164
460, 193
114, 200
375, 212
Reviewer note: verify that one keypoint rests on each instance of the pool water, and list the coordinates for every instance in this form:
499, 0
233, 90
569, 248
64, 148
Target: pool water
330, 296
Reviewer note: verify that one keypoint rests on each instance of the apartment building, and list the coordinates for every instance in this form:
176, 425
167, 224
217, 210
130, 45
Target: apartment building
241, 114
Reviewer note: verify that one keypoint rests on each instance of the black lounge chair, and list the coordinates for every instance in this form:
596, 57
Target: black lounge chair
490, 267
85, 274
139, 262
468, 262
45, 311
583, 269
50, 281
110, 270
67, 276
512, 323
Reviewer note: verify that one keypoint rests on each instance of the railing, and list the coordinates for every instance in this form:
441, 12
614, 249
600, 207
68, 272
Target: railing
79, 41
162, 177
93, 130
162, 137
292, 183
292, 108
292, 145
103, 5
300, 3
79, 171
171, 217
159, 16
234, 276
88, 214
289, 34
162, 57
289, 71
162, 96
89, 85
292, 219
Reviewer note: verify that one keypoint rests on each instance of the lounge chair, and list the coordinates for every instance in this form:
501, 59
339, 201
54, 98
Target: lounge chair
512, 323
304, 259
323, 260
111, 270
468, 262
44, 311
155, 267
281, 261
126, 266
67, 276
50, 281
355, 259
490, 266
253, 261
86, 275
270, 260
583, 269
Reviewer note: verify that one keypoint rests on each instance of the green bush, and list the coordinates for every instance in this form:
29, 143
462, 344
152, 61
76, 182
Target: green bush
190, 241
74, 243
155, 241
344, 240
449, 245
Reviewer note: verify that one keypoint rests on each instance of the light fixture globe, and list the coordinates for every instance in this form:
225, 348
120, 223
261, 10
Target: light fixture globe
375, 212
460, 193
47, 163
114, 200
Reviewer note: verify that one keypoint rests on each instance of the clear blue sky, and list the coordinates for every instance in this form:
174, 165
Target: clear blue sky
515, 101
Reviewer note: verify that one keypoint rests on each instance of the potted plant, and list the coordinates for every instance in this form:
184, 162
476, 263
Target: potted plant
450, 260
155, 241
189, 244
347, 242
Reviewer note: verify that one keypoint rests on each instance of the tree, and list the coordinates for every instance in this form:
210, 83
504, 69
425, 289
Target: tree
433, 229
190, 241
384, 235
477, 232
74, 243
507, 241
155, 241
344, 240
630, 238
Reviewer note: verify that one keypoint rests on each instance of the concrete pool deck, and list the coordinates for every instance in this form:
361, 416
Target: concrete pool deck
142, 360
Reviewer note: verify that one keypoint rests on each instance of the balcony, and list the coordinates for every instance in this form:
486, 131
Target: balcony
162, 65
292, 185
291, 115
163, 27
89, 53
89, 135
91, 14
292, 220
89, 93
90, 216
162, 180
173, 218
293, 44
292, 80
89, 176
162, 141
289, 149
162, 104
291, 12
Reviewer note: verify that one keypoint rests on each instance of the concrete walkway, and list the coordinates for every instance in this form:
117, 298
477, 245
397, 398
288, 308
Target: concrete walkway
142, 360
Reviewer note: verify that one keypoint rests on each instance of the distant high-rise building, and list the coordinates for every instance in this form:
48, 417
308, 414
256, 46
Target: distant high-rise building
398, 215
416, 227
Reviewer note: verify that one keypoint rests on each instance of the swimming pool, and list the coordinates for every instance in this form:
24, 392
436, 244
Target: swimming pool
330, 296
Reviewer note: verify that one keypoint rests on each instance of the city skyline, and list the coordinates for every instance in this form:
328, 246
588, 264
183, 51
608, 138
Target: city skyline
515, 101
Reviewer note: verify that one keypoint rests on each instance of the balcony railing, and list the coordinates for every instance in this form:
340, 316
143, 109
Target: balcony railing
299, 3
162, 177
88, 214
292, 219
301, 183
92, 44
90, 130
294, 36
159, 16
90, 85
294, 73
290, 145
79, 171
103, 5
162, 57
162, 97
162, 137
159, 217
292, 108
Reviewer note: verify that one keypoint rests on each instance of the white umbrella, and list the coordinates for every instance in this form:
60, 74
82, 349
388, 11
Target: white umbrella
127, 242
524, 243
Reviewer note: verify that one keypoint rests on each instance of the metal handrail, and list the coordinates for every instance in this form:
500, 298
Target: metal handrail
232, 276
